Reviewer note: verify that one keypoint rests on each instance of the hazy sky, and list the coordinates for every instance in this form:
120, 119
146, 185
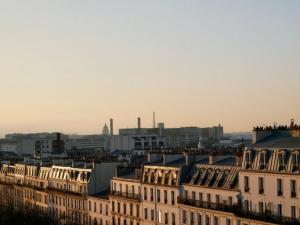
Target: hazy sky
71, 65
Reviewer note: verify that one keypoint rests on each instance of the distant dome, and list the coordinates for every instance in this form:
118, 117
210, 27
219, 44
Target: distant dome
105, 130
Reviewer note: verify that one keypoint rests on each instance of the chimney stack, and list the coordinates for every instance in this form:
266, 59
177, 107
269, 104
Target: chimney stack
139, 122
154, 123
111, 127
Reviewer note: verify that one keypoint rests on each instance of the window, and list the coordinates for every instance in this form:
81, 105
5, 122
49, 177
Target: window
199, 219
208, 198
95, 207
158, 195
124, 208
246, 205
216, 220
295, 162
279, 187
145, 193
207, 220
151, 195
184, 216
193, 196
165, 197
100, 208
131, 209
261, 185
173, 197
279, 210
145, 213
113, 206
293, 189
293, 212
191, 218
281, 158
229, 200
152, 214
166, 218
246, 184
228, 221
137, 210
173, 219
261, 207
200, 197
119, 207
217, 199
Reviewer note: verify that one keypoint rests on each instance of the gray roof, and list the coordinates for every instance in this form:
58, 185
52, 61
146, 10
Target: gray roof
276, 142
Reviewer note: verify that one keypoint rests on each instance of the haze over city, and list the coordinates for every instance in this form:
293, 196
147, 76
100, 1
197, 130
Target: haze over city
70, 67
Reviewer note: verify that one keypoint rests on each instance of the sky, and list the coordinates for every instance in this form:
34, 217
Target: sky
70, 66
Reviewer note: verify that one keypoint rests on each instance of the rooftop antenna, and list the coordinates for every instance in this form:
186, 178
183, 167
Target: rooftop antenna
154, 123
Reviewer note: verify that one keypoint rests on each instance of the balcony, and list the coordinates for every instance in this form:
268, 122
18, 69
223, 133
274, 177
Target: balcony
240, 212
128, 195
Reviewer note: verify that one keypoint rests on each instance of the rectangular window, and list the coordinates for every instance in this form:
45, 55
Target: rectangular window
261, 207
166, 218
199, 219
293, 212
246, 184
279, 210
216, 220
228, 221
152, 214
119, 207
165, 197
151, 195
173, 219
279, 187
158, 195
246, 205
293, 189
229, 200
217, 199
124, 208
173, 197
193, 196
207, 220
200, 197
145, 193
261, 185
145, 213
184, 216
131, 209
191, 218
208, 198
137, 210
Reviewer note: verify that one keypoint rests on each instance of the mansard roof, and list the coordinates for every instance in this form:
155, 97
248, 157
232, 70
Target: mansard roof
278, 142
279, 160
214, 176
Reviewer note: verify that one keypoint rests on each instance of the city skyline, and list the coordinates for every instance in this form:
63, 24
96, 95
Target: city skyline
71, 68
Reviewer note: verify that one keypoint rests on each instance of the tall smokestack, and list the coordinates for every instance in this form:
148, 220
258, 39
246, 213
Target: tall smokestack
111, 127
154, 123
139, 122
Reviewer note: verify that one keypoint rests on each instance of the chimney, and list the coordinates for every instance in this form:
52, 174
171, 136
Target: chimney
139, 122
154, 123
111, 127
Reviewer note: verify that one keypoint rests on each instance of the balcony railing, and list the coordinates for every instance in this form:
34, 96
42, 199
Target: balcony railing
293, 194
238, 210
126, 195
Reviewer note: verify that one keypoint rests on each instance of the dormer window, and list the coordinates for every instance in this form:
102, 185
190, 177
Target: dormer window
248, 159
295, 161
263, 159
282, 161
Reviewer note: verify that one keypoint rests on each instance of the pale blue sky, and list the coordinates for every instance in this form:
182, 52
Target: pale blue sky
71, 65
